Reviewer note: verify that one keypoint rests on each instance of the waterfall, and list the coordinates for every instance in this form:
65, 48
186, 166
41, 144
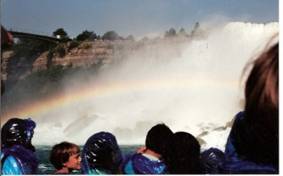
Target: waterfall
195, 88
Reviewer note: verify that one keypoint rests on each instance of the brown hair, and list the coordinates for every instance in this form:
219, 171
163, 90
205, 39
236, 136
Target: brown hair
261, 109
61, 152
261, 90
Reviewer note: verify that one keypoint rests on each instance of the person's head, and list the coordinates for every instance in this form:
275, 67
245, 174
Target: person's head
261, 91
157, 137
261, 108
101, 154
66, 155
18, 132
183, 154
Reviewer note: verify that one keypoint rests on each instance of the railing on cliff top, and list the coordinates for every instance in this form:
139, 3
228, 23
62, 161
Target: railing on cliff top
31, 35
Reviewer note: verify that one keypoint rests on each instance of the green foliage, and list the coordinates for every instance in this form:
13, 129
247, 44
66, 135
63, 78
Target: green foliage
30, 47
98, 37
171, 33
195, 29
60, 50
50, 55
62, 34
130, 37
43, 82
182, 32
73, 44
55, 72
39, 83
111, 35
86, 45
86, 35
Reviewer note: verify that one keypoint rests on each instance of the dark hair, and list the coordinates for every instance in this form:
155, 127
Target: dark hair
183, 154
261, 110
102, 152
157, 137
61, 153
18, 132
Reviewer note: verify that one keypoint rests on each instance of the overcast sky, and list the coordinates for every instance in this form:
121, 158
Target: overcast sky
137, 17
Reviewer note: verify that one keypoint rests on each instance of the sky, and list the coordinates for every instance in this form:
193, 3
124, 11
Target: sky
129, 17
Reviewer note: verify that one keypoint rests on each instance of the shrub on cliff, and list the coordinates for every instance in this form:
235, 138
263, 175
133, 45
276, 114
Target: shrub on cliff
85, 45
86, 35
73, 44
130, 38
111, 35
30, 47
61, 34
60, 50
182, 32
171, 33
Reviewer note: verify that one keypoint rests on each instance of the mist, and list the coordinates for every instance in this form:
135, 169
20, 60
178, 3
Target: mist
193, 86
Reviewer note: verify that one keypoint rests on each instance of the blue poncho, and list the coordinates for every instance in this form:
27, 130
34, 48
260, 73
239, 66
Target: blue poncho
240, 164
139, 164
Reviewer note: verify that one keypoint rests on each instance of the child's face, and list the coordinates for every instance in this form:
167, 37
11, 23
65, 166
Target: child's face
74, 162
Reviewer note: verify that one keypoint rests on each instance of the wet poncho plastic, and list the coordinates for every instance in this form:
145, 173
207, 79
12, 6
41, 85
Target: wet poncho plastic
18, 160
237, 164
139, 164
212, 161
101, 155
17, 152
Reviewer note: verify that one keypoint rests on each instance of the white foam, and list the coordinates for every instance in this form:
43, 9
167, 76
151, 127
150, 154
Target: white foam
195, 87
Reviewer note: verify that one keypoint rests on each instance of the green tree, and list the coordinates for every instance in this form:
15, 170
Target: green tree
111, 35
60, 50
86, 35
182, 32
29, 47
130, 37
61, 34
171, 33
73, 44
195, 29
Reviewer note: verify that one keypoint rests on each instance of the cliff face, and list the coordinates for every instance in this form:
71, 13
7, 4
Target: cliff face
80, 57
31, 76
18, 63
15, 67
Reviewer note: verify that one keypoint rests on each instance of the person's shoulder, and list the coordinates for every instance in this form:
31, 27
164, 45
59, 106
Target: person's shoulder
239, 116
239, 120
212, 160
127, 164
239, 166
10, 165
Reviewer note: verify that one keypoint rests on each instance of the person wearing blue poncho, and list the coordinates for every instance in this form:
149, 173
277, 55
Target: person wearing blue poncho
101, 155
17, 152
150, 161
252, 146
183, 154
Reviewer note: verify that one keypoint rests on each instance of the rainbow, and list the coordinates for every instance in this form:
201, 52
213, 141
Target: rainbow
96, 90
